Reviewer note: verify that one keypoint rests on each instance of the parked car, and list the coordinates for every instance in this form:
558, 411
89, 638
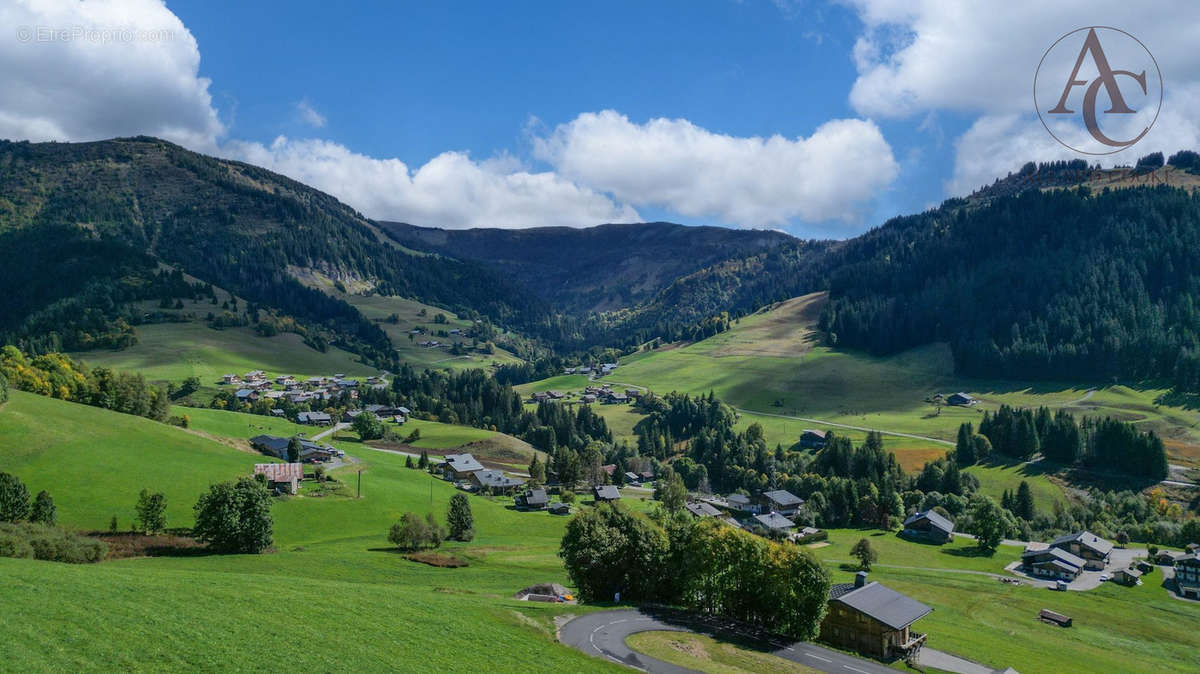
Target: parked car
1104, 578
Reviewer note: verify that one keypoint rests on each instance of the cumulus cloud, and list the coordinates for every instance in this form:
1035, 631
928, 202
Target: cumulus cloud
450, 190
309, 115
73, 70
916, 56
751, 181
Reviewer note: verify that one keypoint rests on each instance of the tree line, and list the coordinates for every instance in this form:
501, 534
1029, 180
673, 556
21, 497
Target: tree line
58, 376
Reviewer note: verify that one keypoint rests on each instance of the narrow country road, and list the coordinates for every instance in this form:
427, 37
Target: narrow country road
340, 426
847, 426
603, 635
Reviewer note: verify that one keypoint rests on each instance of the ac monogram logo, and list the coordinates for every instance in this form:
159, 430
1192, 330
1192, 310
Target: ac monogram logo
1130, 112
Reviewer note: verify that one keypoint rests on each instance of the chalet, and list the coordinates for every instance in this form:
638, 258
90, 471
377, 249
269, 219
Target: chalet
560, 508
587, 398
609, 469
1052, 563
1187, 576
400, 409
732, 522
812, 439
285, 380
928, 526
256, 375
960, 399
276, 412
606, 493
1167, 557
533, 499
585, 370
314, 418
569, 370
495, 481
399, 419
231, 379
459, 466
273, 445
780, 501
872, 619
540, 397
1093, 549
741, 502
274, 395
806, 535
282, 476
246, 394
646, 476
633, 392
1128, 576
632, 478
774, 522
699, 510
351, 415
556, 395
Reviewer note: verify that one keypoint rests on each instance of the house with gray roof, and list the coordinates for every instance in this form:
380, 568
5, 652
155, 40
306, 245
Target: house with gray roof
495, 481
774, 522
1093, 549
1052, 563
872, 619
314, 418
532, 499
780, 501
605, 493
459, 466
928, 526
699, 510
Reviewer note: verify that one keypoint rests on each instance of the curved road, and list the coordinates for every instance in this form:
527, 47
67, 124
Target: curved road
603, 635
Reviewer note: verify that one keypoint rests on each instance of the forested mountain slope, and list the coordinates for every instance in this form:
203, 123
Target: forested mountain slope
600, 268
83, 227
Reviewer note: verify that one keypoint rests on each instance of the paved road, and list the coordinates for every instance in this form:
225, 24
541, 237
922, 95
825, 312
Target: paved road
603, 635
332, 429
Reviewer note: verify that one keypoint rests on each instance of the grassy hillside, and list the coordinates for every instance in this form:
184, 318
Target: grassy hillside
333, 576
412, 314
95, 462
175, 351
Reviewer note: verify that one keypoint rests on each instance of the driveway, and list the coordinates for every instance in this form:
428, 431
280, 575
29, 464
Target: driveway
603, 635
1119, 558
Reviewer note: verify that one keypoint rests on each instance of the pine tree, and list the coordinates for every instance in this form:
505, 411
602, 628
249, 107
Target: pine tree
964, 448
1024, 501
459, 520
44, 511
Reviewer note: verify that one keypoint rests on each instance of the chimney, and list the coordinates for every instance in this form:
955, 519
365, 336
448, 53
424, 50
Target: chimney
860, 579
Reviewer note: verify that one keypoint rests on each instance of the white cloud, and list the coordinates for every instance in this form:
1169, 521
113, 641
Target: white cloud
451, 190
753, 181
73, 70
309, 115
917, 56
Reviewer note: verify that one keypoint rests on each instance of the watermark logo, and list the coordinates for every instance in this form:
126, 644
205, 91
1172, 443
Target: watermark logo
1097, 90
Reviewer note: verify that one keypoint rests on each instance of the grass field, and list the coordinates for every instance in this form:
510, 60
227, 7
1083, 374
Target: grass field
334, 586
175, 351
409, 314
705, 654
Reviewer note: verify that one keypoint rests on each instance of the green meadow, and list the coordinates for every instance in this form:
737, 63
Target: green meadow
333, 585
176, 351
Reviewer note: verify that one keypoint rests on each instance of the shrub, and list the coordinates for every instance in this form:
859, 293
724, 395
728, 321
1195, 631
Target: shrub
44, 511
151, 512
413, 532
28, 540
235, 518
459, 520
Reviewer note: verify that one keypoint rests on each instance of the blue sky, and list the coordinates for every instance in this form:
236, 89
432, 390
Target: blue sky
818, 118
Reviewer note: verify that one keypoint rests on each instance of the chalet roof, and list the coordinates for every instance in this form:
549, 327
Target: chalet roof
934, 519
560, 506
782, 497
462, 463
497, 479
1133, 573
280, 472
536, 497
882, 603
774, 521
606, 492
738, 499
702, 510
810, 431
1087, 539
632, 476
1058, 554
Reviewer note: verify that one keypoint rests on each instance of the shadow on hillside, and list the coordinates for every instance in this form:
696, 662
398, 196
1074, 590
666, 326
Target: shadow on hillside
1188, 401
970, 553
1023, 468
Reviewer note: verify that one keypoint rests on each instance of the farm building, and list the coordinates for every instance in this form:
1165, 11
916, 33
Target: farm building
459, 466
560, 508
1167, 557
961, 399
872, 619
812, 439
273, 445
606, 493
780, 501
1128, 576
1093, 549
282, 476
929, 526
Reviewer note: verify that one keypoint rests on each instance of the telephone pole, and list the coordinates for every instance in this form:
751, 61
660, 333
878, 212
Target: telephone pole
359, 483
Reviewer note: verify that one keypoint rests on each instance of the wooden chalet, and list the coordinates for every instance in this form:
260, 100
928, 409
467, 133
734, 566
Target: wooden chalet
873, 620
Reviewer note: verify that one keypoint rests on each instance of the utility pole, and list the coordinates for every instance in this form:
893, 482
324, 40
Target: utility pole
359, 483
